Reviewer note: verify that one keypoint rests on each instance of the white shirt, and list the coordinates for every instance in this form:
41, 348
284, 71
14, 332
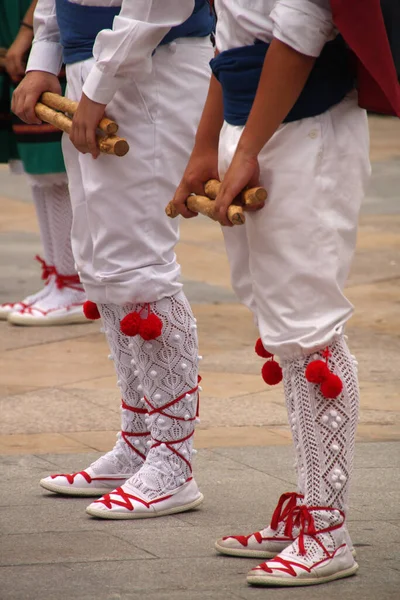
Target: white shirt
126, 50
305, 25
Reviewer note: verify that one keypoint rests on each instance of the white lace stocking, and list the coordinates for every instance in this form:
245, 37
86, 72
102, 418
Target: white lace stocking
291, 410
167, 368
130, 450
325, 429
41, 206
60, 217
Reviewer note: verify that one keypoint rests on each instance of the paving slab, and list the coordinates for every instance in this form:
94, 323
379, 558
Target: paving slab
52, 550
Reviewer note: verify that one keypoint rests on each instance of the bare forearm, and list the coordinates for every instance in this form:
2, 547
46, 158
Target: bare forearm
283, 78
28, 18
212, 117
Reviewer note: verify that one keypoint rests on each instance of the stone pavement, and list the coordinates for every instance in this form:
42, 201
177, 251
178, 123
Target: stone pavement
59, 408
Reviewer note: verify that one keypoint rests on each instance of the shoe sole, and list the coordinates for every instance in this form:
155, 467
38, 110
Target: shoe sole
19, 319
78, 492
108, 514
261, 580
245, 553
252, 553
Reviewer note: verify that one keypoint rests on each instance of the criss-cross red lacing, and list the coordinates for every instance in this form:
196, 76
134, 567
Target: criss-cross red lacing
125, 497
301, 517
287, 502
129, 434
153, 410
285, 505
62, 281
47, 270
68, 281
70, 477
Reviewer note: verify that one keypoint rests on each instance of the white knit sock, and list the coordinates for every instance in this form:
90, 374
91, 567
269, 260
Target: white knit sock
168, 371
130, 450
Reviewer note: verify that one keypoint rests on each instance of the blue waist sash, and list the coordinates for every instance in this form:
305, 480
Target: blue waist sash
239, 70
79, 25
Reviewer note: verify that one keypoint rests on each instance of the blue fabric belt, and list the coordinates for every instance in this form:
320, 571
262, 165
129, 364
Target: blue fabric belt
79, 25
239, 70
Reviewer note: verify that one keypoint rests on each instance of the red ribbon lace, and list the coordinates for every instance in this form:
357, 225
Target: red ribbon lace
62, 281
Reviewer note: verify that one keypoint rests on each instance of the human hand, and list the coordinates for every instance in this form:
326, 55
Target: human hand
84, 124
243, 172
17, 52
202, 166
28, 93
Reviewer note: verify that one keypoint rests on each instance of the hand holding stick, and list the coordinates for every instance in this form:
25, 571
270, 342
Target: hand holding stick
205, 204
250, 197
69, 106
206, 207
107, 145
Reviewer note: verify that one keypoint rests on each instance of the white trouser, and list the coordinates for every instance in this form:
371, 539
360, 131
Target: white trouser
290, 261
123, 242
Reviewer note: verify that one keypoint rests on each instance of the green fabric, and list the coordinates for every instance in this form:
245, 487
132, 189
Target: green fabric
12, 13
39, 156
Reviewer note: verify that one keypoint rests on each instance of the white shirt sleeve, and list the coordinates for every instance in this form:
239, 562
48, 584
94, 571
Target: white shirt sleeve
126, 50
46, 52
305, 25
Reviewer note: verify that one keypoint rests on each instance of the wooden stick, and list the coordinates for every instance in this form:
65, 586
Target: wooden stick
206, 207
69, 106
107, 145
248, 197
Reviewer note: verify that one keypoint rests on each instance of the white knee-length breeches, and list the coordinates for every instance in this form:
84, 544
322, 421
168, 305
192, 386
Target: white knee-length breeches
290, 260
122, 240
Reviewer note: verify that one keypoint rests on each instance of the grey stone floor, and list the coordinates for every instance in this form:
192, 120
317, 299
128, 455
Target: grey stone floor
51, 550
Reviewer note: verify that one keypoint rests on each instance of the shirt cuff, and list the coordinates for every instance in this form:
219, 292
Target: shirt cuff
100, 87
45, 56
305, 27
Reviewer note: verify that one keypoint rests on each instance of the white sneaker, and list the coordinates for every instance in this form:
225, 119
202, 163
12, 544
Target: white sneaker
268, 542
319, 554
104, 475
127, 502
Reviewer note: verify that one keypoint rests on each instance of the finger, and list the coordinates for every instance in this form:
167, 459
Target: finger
179, 202
78, 138
254, 207
222, 204
91, 143
28, 111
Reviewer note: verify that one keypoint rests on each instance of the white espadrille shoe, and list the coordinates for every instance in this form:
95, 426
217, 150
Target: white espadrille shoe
48, 277
319, 554
127, 502
62, 305
105, 474
267, 542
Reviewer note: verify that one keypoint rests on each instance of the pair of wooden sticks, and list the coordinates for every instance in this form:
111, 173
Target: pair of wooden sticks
51, 109
205, 205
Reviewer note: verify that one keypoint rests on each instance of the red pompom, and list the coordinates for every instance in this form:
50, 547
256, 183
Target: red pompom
130, 324
261, 351
317, 371
272, 372
151, 327
332, 386
91, 311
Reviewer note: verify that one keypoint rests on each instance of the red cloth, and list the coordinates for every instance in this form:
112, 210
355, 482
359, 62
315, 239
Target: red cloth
361, 24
